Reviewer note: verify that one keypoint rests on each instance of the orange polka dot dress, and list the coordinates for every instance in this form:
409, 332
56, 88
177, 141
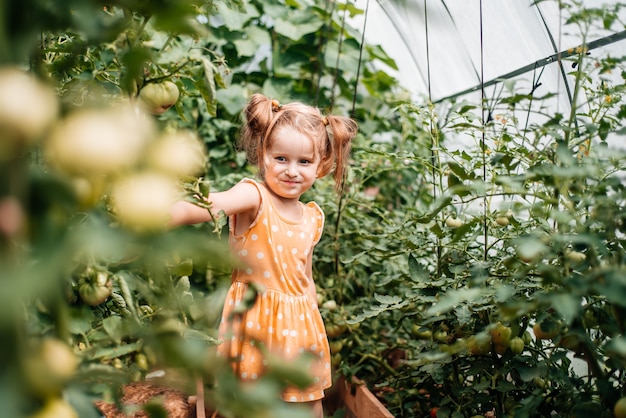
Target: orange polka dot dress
284, 319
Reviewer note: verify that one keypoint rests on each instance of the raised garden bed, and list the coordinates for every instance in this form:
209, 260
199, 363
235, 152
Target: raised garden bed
356, 399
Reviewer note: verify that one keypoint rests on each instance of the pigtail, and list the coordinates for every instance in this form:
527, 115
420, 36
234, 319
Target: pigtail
257, 117
342, 131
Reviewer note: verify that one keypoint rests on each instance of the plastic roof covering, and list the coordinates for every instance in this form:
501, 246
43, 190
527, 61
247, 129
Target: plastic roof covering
513, 34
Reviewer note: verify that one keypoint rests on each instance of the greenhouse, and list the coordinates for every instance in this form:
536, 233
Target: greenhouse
313, 209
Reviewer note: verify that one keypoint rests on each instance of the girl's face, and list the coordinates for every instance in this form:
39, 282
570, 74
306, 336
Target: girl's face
291, 163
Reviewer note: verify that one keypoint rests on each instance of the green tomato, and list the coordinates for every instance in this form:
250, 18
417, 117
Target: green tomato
156, 98
454, 223
56, 408
516, 344
336, 346
97, 291
49, 366
502, 220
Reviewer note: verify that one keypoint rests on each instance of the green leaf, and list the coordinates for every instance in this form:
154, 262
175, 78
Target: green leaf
235, 20
109, 353
387, 300
80, 320
205, 83
567, 305
114, 328
344, 56
232, 99
254, 38
452, 299
296, 25
441, 203
460, 172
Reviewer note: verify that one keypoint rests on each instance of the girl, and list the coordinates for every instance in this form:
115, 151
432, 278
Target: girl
274, 234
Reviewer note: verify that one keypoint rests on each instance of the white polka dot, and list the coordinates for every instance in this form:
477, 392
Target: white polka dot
274, 228
244, 375
231, 302
260, 255
302, 235
282, 278
312, 397
249, 324
293, 399
249, 270
270, 330
267, 311
294, 251
243, 253
301, 317
290, 233
293, 333
285, 332
254, 237
280, 315
264, 221
285, 266
254, 376
266, 274
279, 248
306, 252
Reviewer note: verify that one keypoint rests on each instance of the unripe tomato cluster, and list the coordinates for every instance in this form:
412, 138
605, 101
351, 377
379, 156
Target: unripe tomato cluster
500, 338
112, 151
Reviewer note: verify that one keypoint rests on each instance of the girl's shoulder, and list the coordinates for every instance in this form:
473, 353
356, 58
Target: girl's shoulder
314, 207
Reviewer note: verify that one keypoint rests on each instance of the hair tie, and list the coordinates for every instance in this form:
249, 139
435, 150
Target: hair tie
276, 105
325, 121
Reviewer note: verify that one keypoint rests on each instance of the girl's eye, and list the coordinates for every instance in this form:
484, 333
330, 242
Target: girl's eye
281, 159
304, 161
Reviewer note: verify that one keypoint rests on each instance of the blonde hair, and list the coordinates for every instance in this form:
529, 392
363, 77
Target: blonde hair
332, 135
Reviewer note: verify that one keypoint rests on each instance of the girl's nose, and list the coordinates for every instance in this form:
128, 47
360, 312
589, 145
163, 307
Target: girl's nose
291, 171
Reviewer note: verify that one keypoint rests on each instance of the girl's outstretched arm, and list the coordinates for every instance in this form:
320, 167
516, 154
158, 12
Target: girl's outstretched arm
243, 198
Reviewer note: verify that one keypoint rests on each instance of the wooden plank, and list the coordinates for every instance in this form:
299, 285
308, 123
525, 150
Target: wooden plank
359, 401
